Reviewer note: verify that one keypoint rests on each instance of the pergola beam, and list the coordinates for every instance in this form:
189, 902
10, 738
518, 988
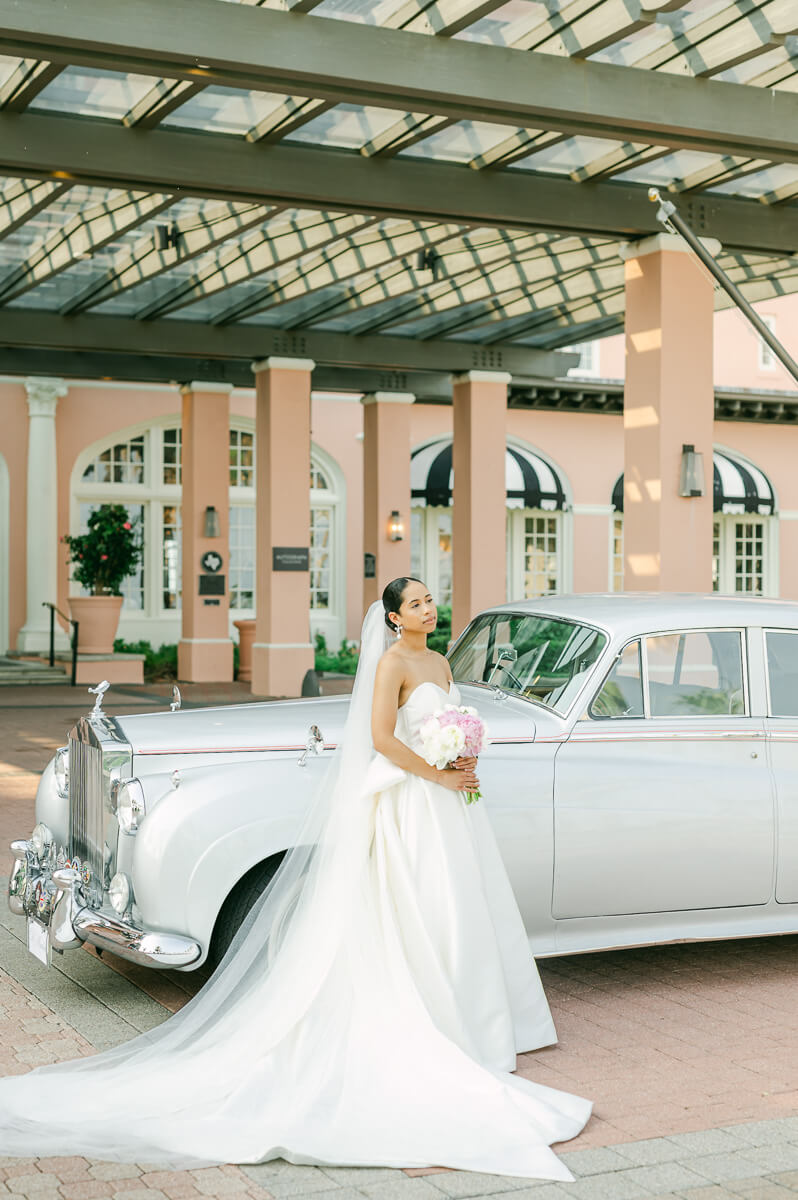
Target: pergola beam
68, 148
26, 327
239, 46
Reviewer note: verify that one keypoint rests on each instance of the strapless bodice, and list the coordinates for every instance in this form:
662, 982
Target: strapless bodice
424, 699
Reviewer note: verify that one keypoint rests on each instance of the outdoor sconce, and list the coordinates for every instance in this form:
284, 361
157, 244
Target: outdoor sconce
691, 474
396, 528
211, 527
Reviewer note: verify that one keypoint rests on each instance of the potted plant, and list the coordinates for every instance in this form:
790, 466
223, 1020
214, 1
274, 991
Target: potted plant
103, 558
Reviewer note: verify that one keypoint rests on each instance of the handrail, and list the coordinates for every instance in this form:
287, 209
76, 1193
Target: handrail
75, 628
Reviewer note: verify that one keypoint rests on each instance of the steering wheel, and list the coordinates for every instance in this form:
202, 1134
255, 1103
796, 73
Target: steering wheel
514, 678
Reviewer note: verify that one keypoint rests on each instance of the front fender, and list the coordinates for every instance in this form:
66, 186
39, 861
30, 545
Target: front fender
51, 808
209, 831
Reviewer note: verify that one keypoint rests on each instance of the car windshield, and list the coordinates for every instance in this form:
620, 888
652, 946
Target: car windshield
545, 659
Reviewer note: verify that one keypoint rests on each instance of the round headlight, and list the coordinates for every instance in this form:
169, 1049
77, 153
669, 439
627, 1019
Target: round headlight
61, 771
119, 893
130, 805
41, 839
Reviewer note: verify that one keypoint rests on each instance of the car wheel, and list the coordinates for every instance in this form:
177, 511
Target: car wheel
235, 908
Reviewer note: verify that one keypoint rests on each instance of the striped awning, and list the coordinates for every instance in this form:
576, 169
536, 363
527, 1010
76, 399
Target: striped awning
530, 481
736, 488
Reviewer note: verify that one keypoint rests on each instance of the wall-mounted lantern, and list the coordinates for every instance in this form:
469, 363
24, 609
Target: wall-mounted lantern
396, 527
691, 473
211, 527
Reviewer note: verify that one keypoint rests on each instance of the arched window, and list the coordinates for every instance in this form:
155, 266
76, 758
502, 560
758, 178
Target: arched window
744, 529
537, 560
142, 469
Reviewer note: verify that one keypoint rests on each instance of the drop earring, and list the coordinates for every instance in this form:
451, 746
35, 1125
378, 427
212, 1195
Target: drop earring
398, 631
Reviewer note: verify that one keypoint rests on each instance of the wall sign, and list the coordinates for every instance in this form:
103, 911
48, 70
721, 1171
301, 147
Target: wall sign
369, 566
211, 585
290, 558
211, 561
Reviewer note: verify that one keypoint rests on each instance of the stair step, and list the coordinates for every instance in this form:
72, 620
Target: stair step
31, 673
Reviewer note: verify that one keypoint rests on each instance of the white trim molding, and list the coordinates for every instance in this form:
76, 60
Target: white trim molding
283, 364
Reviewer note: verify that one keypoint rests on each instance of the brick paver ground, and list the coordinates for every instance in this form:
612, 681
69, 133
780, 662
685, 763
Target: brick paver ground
690, 1053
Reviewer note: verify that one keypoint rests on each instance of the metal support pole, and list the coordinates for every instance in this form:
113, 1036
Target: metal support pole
52, 636
75, 627
670, 218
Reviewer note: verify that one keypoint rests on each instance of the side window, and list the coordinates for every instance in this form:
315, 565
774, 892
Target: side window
782, 656
696, 674
621, 694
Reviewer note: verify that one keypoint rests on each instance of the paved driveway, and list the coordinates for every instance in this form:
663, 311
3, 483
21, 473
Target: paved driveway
690, 1052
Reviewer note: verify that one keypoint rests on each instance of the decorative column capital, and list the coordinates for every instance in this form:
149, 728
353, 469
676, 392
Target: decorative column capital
664, 241
483, 377
388, 398
283, 364
43, 394
216, 389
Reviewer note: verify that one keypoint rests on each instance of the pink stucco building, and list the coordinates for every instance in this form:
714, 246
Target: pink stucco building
122, 442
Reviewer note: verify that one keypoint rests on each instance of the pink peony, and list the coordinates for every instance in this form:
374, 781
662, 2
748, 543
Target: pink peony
103, 557
126, 525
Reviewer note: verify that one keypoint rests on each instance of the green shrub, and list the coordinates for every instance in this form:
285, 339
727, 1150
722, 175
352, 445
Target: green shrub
345, 660
160, 664
439, 640
108, 553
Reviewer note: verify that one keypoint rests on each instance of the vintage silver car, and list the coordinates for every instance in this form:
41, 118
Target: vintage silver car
641, 777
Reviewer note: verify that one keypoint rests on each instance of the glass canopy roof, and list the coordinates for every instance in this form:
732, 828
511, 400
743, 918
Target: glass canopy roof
144, 249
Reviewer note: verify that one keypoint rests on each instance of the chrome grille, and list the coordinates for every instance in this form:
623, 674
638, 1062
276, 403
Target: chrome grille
86, 809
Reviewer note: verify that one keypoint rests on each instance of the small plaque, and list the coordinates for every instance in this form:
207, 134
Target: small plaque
38, 941
211, 585
370, 566
211, 561
290, 558
206, 601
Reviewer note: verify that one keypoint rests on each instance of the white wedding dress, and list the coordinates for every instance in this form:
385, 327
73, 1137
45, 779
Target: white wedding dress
379, 1028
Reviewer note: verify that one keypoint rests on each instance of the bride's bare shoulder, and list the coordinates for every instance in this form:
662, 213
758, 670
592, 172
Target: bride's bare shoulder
443, 660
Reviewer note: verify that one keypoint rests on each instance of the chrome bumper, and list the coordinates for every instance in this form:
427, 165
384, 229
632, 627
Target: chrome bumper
72, 922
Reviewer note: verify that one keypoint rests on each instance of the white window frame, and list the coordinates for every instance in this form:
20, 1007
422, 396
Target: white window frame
430, 556
331, 623
726, 555
154, 623
516, 569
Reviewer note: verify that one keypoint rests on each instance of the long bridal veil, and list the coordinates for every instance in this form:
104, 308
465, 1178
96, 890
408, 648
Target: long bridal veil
148, 1099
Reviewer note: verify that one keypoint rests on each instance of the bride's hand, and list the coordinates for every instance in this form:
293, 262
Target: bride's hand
465, 764
459, 779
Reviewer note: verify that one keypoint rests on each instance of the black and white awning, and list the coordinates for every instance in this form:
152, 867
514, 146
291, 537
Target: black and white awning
530, 481
736, 488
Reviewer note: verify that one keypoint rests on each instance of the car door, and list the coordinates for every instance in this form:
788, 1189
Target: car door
663, 798
781, 659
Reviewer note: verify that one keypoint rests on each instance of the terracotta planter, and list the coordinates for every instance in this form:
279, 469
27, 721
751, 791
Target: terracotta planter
246, 636
99, 618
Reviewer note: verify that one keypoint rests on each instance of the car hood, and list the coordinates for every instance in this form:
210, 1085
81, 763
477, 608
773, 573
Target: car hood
284, 724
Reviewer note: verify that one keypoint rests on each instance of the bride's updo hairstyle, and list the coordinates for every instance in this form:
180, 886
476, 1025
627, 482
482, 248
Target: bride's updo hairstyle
393, 595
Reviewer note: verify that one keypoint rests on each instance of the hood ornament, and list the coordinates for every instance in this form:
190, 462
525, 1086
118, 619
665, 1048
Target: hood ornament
177, 699
99, 691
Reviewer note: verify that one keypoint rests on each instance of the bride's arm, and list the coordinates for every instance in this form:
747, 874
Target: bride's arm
385, 706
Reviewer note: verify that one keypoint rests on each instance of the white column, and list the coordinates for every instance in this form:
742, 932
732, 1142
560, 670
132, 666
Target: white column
42, 514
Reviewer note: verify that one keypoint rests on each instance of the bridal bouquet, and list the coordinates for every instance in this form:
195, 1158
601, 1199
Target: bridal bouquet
451, 732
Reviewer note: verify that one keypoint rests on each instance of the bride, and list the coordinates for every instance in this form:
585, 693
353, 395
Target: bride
370, 1009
